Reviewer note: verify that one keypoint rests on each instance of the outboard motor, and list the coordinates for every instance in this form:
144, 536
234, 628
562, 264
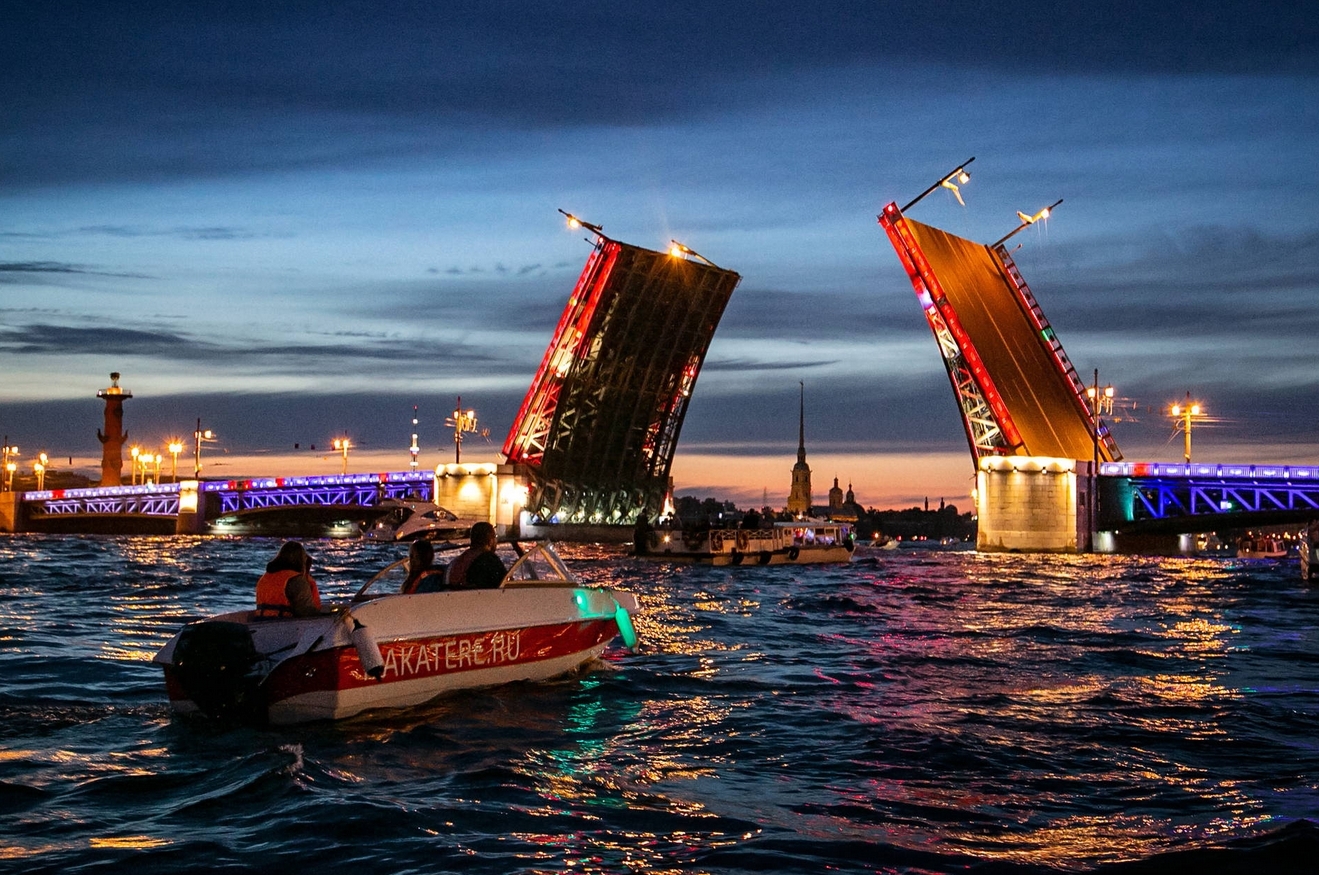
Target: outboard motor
215, 662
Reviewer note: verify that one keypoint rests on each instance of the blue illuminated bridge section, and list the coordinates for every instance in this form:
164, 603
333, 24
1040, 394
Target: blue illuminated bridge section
1153, 496
238, 496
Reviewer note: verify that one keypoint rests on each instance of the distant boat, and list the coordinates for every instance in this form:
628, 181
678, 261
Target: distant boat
801, 542
407, 519
1262, 547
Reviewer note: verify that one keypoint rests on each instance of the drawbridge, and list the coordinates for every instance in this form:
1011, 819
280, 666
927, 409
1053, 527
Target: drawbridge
1017, 391
598, 427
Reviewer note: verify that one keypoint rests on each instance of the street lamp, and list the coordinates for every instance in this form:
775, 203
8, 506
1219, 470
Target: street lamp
7, 456
39, 468
1099, 402
175, 447
199, 437
134, 452
575, 223
1185, 412
461, 421
414, 449
343, 445
959, 176
1027, 221
677, 250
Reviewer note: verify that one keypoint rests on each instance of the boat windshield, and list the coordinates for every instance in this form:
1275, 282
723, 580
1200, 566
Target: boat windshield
530, 565
537, 565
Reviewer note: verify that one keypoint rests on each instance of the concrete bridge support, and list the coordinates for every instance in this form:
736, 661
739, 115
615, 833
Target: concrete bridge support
1032, 504
497, 493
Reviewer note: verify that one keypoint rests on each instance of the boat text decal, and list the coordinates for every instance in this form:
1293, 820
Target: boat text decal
452, 654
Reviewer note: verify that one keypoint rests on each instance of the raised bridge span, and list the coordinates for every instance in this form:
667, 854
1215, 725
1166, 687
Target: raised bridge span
1020, 396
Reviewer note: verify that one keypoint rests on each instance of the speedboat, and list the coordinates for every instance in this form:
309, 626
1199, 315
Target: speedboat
407, 519
385, 650
800, 542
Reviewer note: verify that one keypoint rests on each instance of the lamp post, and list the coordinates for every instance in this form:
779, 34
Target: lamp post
1185, 412
414, 449
1099, 402
678, 250
961, 175
7, 455
198, 438
175, 447
343, 445
461, 421
135, 452
1027, 221
39, 468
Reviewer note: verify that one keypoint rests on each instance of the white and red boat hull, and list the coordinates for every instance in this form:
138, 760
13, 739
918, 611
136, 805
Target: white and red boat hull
427, 645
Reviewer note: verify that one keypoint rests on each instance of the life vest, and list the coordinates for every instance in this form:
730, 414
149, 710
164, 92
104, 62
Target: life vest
272, 600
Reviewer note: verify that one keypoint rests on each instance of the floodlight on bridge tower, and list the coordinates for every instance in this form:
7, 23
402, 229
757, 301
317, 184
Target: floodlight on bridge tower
1017, 392
599, 425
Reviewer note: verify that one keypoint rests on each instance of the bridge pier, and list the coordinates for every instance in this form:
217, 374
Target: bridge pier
1032, 504
12, 516
497, 493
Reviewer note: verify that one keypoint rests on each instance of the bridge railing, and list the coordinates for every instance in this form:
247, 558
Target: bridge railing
162, 499
1231, 472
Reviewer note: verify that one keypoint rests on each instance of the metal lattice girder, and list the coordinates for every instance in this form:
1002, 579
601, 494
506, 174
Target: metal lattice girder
601, 420
1010, 361
985, 418
1164, 490
149, 505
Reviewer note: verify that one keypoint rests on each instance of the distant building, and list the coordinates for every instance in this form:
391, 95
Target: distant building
848, 511
835, 499
799, 499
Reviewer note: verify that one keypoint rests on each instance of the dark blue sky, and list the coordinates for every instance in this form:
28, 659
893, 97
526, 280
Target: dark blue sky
297, 222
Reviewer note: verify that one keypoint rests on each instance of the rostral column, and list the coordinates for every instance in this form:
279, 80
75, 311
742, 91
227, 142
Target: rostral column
112, 442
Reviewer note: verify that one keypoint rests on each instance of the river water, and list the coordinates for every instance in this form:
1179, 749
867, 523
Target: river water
916, 712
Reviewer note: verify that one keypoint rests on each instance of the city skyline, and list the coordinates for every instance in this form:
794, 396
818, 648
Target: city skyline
300, 244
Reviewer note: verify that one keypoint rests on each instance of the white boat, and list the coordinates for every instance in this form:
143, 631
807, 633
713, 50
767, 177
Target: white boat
1261, 547
801, 542
386, 650
407, 519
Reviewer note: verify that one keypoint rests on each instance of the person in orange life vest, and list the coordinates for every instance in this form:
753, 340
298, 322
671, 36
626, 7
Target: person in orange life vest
423, 576
477, 567
286, 589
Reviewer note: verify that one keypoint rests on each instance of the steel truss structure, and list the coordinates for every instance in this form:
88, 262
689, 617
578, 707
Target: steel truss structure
600, 422
237, 496
141, 504
1166, 491
990, 426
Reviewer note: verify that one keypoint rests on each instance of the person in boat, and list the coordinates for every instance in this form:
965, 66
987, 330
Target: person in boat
286, 589
642, 533
478, 567
423, 576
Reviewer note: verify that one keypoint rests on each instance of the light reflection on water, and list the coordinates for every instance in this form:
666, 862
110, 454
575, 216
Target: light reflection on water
1032, 710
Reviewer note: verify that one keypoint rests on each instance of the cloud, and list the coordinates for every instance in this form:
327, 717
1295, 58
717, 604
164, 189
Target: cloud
130, 93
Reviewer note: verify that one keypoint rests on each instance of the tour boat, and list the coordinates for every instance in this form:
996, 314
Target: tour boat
800, 542
407, 519
1262, 547
385, 650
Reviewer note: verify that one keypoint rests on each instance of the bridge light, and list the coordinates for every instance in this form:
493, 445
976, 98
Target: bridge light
946, 181
1183, 413
678, 250
1027, 221
575, 223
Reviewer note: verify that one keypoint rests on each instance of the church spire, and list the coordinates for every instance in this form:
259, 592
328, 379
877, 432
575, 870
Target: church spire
801, 427
799, 499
